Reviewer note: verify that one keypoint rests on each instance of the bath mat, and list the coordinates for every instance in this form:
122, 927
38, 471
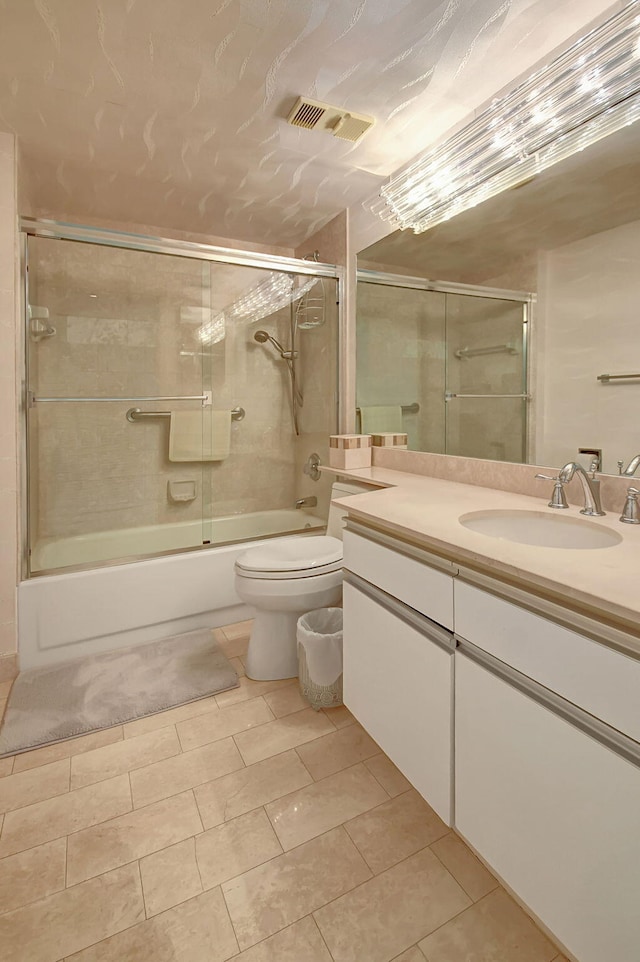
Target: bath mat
52, 704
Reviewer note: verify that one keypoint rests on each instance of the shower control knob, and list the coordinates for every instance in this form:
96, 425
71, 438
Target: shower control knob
312, 467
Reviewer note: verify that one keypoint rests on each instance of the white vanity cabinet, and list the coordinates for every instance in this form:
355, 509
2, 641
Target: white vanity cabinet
546, 792
398, 662
545, 732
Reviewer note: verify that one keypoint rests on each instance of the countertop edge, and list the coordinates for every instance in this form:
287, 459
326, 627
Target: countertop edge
598, 609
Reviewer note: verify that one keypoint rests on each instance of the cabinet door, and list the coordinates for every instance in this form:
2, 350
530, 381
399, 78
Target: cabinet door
398, 684
553, 811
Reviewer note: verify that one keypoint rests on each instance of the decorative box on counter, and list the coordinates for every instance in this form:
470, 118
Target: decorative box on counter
350, 451
389, 440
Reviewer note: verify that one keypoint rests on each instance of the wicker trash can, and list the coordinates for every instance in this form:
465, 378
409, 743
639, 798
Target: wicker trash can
319, 638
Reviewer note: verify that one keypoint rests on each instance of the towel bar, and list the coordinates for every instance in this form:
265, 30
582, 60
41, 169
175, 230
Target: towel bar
406, 408
449, 396
190, 397
135, 414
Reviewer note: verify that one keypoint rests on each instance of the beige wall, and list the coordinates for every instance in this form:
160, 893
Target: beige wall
588, 325
8, 406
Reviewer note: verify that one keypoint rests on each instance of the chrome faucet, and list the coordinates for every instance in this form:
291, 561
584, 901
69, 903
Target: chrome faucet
590, 487
631, 468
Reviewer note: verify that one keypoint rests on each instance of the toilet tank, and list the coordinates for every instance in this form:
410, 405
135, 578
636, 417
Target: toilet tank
342, 489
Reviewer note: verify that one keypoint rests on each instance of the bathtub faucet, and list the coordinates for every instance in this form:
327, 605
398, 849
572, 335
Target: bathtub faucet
311, 502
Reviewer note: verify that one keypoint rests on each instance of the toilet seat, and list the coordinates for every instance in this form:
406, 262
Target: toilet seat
291, 558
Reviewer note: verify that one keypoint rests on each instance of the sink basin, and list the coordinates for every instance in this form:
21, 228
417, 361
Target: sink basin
541, 529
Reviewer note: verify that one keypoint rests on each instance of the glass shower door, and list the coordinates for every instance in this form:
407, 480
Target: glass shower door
272, 356
162, 389
107, 332
454, 362
486, 378
400, 335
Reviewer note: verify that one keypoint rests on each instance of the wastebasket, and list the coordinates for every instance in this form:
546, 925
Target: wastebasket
319, 638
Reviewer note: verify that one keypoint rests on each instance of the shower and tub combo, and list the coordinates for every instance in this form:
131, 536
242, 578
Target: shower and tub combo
112, 556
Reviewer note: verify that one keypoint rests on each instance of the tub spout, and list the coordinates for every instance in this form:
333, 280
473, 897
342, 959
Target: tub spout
311, 502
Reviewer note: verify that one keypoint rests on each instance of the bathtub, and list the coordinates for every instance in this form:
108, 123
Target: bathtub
52, 553
71, 614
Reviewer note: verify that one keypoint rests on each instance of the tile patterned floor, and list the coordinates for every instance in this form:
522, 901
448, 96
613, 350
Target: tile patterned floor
244, 826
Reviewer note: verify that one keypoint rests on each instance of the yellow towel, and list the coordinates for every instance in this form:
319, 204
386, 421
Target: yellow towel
381, 419
203, 435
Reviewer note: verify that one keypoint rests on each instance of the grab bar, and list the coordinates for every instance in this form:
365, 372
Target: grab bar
616, 377
135, 414
186, 397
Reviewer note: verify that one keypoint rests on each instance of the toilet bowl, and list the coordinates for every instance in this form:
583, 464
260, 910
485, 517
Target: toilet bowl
281, 580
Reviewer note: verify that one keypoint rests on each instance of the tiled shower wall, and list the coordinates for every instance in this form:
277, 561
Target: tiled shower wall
97, 471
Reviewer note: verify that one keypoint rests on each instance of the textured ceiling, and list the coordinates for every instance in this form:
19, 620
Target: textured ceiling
593, 191
172, 112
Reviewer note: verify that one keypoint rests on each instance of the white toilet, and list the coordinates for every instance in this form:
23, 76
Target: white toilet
281, 580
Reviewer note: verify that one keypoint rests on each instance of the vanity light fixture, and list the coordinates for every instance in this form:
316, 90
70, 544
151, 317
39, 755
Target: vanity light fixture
588, 92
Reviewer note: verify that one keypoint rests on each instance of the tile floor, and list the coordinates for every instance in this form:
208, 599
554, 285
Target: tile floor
244, 826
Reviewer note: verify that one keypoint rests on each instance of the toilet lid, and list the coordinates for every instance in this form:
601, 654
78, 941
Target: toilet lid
293, 554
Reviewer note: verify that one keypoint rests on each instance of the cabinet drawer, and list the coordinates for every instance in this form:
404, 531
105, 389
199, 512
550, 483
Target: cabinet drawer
602, 681
411, 581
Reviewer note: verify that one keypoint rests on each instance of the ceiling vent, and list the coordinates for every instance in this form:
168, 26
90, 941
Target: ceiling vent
313, 115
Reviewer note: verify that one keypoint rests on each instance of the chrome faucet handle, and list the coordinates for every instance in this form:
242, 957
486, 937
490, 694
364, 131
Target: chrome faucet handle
620, 464
558, 499
630, 513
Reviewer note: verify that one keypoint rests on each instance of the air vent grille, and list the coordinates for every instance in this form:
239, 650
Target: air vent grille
306, 114
313, 115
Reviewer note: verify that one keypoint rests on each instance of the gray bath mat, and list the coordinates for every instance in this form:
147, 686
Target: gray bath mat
52, 704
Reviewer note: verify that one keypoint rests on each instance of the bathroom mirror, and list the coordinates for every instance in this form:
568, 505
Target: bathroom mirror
447, 332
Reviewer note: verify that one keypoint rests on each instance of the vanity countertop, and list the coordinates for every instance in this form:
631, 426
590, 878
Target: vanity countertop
603, 583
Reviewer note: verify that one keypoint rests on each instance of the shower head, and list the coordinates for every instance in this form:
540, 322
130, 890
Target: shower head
263, 336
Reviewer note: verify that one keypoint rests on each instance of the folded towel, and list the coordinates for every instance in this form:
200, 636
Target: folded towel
380, 419
203, 435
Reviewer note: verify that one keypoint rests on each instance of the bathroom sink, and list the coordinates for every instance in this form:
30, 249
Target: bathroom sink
541, 529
